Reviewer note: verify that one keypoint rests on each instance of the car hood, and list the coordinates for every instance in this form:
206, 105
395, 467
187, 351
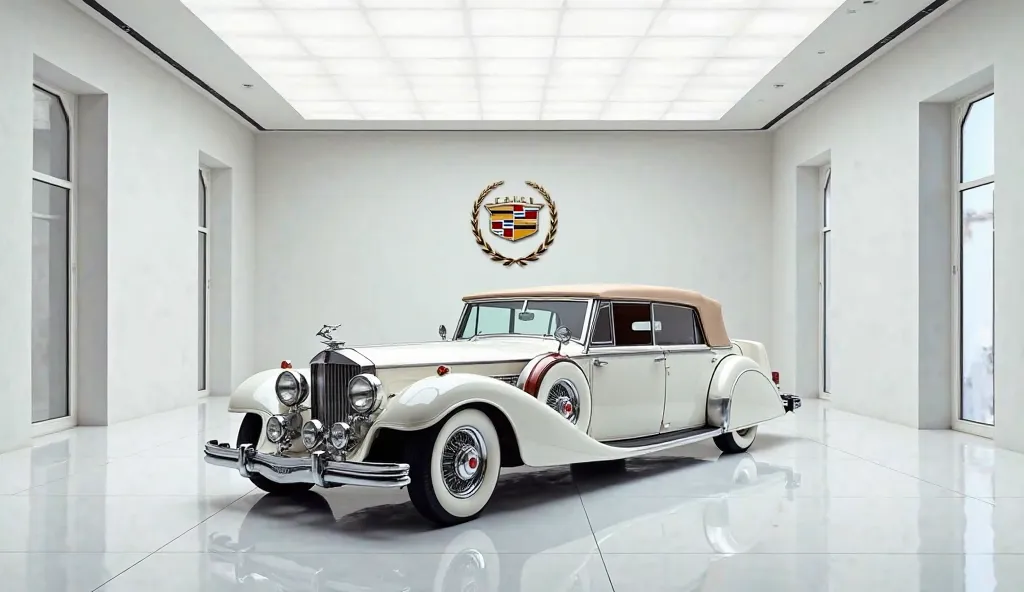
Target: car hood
478, 351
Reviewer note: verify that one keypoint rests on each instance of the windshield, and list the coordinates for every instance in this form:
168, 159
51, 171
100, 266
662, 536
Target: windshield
523, 317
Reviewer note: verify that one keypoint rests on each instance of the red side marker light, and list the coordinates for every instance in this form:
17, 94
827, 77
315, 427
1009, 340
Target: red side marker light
285, 364
442, 370
775, 378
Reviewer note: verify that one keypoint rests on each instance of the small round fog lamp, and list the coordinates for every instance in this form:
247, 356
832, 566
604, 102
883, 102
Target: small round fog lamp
312, 434
340, 435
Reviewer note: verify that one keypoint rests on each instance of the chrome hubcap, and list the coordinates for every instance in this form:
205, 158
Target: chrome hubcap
565, 399
463, 462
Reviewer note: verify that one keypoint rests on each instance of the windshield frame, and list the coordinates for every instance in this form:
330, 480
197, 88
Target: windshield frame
580, 339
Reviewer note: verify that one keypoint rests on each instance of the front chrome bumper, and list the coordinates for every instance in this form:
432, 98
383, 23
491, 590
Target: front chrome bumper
317, 468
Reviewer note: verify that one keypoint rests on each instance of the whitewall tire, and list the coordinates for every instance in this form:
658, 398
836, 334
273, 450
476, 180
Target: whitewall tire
454, 468
737, 441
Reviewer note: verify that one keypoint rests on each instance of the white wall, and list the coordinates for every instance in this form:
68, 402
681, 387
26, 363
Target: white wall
373, 230
871, 128
157, 129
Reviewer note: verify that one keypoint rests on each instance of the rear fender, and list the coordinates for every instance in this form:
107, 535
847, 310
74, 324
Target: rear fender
742, 395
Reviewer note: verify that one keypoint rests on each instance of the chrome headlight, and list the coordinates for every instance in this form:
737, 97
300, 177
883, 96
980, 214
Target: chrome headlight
312, 434
364, 392
292, 388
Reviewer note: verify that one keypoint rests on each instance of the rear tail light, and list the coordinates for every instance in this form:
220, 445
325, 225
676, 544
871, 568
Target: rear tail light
286, 364
775, 378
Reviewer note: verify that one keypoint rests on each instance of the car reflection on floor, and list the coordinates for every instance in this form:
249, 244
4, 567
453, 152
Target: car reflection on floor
700, 514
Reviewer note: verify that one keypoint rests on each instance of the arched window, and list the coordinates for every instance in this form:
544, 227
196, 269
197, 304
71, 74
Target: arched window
974, 287
53, 405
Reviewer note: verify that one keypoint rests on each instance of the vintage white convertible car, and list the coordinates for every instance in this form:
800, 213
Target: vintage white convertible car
538, 377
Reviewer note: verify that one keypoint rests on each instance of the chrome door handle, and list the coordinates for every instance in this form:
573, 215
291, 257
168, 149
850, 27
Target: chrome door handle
600, 363
661, 359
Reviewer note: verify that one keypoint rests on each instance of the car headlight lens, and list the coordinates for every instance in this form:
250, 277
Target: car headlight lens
364, 393
340, 435
275, 428
312, 434
292, 388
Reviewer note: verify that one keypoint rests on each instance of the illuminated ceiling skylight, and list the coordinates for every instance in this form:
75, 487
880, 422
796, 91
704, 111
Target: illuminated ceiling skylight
513, 59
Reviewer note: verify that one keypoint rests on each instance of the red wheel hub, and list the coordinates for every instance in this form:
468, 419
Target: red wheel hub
567, 407
473, 462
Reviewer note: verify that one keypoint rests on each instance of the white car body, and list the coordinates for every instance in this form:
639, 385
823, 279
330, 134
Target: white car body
551, 401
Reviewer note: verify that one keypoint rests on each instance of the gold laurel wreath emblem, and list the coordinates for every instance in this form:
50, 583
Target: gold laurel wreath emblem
486, 247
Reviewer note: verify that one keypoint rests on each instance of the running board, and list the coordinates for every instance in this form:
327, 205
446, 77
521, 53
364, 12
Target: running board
668, 439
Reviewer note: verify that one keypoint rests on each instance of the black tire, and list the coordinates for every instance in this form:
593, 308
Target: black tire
249, 433
423, 451
736, 442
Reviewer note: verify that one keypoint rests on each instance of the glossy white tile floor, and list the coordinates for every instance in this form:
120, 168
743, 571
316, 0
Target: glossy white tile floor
825, 501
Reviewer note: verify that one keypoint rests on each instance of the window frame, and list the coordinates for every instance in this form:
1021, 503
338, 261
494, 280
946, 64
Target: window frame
580, 339
824, 238
654, 347
69, 106
960, 112
205, 177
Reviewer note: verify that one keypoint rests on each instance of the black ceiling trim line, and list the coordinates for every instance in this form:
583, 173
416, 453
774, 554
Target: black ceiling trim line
918, 17
93, 4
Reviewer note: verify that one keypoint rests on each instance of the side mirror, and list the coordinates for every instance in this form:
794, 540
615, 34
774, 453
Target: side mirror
563, 336
442, 331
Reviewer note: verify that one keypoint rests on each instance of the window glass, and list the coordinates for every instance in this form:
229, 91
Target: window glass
632, 323
603, 326
977, 147
828, 197
676, 325
50, 321
49, 135
202, 201
540, 317
493, 320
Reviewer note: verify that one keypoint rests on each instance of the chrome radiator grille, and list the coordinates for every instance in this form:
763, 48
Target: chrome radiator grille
329, 399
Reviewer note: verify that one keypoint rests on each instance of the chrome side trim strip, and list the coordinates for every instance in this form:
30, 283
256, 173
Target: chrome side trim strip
316, 469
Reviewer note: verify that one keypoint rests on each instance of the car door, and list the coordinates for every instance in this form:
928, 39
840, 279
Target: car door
689, 366
628, 373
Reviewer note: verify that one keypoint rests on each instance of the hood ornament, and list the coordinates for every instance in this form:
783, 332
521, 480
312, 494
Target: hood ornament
328, 339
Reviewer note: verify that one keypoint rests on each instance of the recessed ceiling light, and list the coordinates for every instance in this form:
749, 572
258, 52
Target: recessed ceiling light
246, 85
821, 52
513, 59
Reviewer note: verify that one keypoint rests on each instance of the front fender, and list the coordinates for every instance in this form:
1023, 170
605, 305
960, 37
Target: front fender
545, 438
257, 395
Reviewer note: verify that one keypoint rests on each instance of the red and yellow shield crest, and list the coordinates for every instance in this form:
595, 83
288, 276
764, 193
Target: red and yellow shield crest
514, 221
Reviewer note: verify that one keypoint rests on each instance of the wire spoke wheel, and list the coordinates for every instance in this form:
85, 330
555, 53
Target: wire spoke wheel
565, 399
463, 462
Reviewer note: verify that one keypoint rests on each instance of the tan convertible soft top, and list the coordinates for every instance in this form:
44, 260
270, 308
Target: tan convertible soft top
709, 309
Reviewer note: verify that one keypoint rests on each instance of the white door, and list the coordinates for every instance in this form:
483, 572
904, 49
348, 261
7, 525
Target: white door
689, 366
628, 374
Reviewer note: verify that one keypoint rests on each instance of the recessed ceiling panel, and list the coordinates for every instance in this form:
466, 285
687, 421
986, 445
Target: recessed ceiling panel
617, 60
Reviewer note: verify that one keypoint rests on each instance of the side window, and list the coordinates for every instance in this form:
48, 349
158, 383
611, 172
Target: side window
603, 326
632, 324
677, 325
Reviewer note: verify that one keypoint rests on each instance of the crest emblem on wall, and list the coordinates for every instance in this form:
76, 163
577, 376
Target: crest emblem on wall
514, 218
514, 221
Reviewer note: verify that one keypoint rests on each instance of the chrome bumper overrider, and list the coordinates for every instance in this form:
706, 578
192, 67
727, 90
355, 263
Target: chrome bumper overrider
317, 468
